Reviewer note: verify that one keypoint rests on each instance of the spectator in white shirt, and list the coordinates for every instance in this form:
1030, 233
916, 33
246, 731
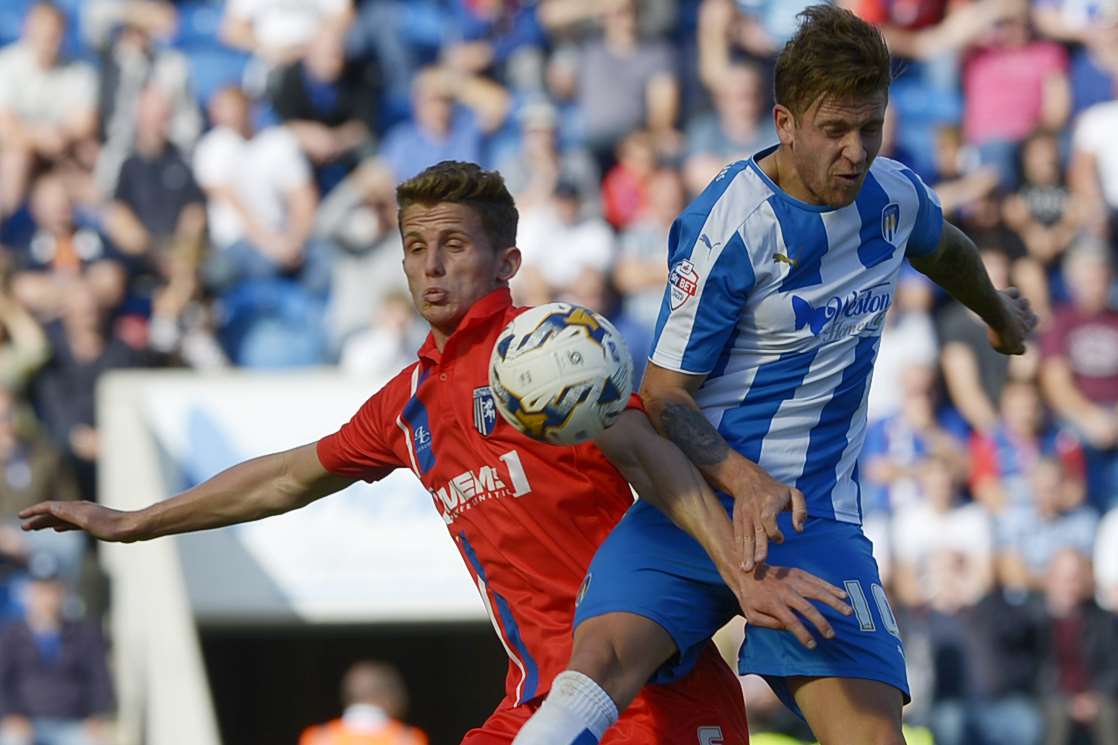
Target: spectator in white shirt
47, 106
937, 543
559, 241
262, 198
1094, 168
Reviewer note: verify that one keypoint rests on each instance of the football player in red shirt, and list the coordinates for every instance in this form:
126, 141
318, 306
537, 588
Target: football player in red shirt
527, 517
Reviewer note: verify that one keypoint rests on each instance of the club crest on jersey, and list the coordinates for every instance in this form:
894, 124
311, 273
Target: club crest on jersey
683, 283
890, 221
485, 411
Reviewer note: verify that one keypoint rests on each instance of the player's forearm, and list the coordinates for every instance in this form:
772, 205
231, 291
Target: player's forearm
248, 491
663, 477
677, 417
956, 267
677, 489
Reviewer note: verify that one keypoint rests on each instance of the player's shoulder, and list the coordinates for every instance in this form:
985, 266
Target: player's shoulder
394, 394
898, 180
731, 197
407, 379
883, 167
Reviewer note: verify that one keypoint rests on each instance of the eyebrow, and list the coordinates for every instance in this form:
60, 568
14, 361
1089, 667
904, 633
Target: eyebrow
848, 123
448, 232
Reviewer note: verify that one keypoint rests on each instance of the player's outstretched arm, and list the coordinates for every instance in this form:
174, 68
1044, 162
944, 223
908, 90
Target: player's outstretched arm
956, 267
257, 488
662, 475
758, 498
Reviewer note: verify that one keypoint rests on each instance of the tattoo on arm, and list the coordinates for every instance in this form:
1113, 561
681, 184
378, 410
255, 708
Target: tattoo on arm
693, 434
958, 268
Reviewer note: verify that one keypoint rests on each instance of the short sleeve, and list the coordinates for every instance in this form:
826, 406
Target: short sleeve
80, 87
910, 524
1054, 341
361, 448
708, 286
213, 158
972, 531
660, 61
1088, 136
286, 159
928, 226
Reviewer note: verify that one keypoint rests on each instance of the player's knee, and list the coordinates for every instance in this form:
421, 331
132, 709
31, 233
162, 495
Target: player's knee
597, 656
620, 652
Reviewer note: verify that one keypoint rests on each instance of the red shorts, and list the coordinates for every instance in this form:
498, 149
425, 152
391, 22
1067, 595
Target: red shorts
704, 708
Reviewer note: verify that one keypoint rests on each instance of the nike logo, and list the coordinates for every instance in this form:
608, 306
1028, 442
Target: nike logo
785, 259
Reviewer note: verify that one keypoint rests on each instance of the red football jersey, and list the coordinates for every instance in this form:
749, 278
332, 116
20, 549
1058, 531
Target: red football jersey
527, 517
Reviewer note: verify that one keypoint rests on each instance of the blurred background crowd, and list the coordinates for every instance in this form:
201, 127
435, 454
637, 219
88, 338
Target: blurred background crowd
208, 184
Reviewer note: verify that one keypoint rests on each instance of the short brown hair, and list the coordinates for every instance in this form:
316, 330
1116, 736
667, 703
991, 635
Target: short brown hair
833, 53
465, 183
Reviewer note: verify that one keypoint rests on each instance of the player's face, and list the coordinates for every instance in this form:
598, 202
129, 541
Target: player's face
450, 263
832, 145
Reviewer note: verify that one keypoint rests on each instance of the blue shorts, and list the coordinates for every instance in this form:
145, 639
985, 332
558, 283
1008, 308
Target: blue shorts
651, 568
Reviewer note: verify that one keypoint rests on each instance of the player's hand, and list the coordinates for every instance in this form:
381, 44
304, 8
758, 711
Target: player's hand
99, 521
758, 499
1020, 322
777, 598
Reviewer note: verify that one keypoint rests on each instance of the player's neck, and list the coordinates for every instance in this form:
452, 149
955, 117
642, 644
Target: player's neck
779, 167
439, 337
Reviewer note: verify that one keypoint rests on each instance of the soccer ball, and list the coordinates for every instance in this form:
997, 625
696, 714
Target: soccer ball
560, 373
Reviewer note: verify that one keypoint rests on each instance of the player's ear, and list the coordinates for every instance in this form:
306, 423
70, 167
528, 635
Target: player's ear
785, 122
508, 263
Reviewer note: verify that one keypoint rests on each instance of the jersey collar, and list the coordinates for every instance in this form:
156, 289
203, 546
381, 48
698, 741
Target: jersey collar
479, 314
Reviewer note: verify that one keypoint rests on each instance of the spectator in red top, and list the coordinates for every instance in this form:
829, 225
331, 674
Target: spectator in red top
1013, 84
1079, 366
625, 187
1079, 676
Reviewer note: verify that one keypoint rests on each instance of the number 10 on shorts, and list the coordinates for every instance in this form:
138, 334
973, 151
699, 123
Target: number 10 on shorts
857, 598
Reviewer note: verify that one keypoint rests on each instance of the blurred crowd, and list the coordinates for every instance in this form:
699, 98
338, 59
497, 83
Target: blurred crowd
210, 184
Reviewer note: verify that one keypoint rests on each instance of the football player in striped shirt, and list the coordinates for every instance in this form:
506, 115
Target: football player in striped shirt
782, 272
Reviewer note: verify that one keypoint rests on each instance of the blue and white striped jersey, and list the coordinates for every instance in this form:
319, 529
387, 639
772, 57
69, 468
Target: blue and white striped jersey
781, 305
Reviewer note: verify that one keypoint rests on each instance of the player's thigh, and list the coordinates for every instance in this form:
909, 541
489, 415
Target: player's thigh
850, 711
866, 644
647, 567
621, 651
705, 707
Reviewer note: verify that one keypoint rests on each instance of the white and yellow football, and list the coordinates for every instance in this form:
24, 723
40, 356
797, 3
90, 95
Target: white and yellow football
560, 373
